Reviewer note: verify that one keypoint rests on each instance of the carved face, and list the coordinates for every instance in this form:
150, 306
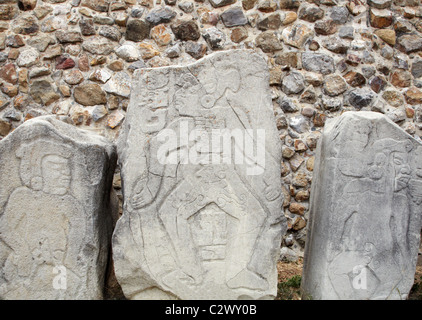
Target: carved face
56, 174
402, 170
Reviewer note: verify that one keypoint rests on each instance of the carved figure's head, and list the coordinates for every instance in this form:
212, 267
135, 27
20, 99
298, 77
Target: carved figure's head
45, 166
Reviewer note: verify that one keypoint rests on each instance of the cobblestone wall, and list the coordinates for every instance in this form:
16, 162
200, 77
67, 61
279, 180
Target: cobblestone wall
77, 58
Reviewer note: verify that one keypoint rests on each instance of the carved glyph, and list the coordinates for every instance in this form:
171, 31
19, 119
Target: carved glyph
364, 230
55, 219
207, 222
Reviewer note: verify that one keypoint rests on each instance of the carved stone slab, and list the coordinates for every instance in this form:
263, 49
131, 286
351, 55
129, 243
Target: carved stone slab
364, 229
206, 223
55, 219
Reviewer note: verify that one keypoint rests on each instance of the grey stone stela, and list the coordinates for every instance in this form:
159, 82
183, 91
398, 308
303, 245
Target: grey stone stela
364, 227
199, 231
55, 211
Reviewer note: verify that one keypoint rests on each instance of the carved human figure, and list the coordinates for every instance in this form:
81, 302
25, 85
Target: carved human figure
171, 200
36, 248
372, 210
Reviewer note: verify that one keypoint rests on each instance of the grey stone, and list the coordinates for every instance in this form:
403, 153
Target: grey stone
110, 32
214, 37
293, 83
221, 3
137, 65
137, 12
195, 49
346, 32
360, 98
162, 15
128, 52
119, 84
98, 45
199, 230
299, 124
186, 6
288, 255
366, 191
287, 105
417, 68
318, 62
173, 51
64, 174
28, 57
339, 15
233, 17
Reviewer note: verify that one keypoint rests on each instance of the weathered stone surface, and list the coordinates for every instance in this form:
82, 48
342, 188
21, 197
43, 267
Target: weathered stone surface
318, 62
297, 35
43, 92
233, 17
59, 250
310, 13
221, 3
214, 37
98, 45
366, 189
409, 43
195, 230
268, 42
334, 85
128, 52
186, 30
380, 18
162, 15
119, 84
90, 94
293, 83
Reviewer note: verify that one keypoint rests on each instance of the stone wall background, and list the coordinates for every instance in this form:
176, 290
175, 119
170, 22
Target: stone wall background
77, 57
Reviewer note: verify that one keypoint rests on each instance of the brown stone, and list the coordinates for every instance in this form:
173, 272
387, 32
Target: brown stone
288, 59
64, 63
380, 18
267, 5
377, 84
116, 65
302, 195
248, 4
8, 73
394, 98
413, 96
83, 63
10, 90
161, 35
8, 11
319, 119
388, 35
334, 85
401, 78
297, 208
355, 79
5, 127
290, 17
187, 30
89, 94
325, 27
310, 163
238, 34
299, 223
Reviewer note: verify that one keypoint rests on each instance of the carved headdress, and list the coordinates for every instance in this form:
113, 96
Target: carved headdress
32, 154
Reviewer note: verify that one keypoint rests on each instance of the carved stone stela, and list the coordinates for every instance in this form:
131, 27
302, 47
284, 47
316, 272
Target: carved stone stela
200, 230
364, 228
55, 219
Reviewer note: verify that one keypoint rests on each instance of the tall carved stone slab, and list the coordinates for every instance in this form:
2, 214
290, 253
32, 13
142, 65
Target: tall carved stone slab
206, 223
55, 211
364, 228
